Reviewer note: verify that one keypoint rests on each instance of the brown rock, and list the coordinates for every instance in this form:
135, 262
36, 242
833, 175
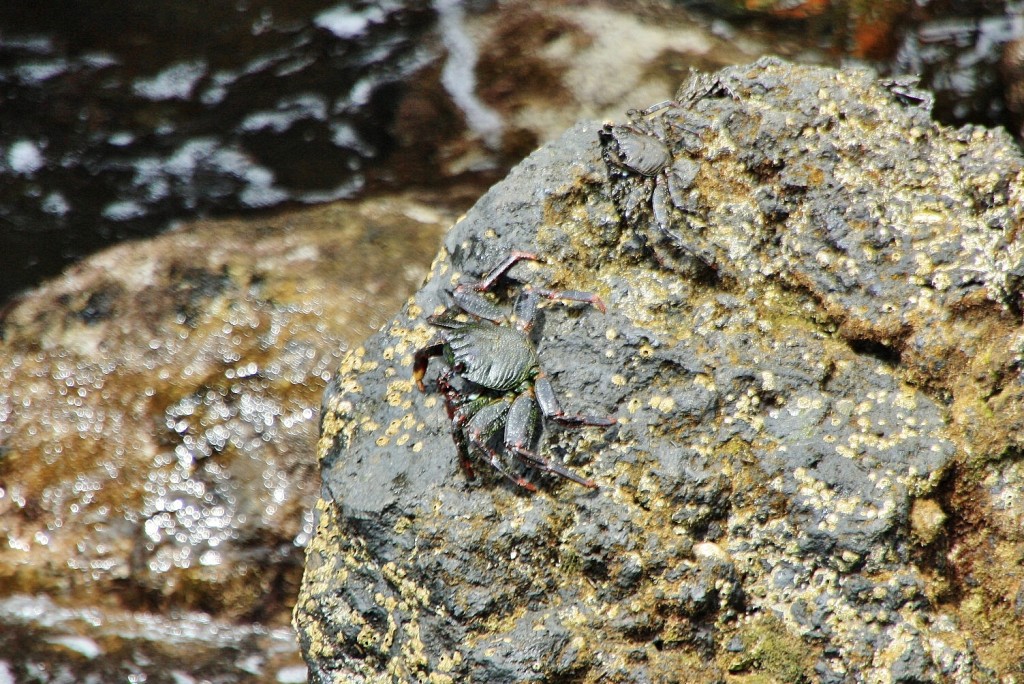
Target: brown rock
159, 405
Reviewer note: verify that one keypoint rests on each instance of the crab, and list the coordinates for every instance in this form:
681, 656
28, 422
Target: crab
648, 177
493, 382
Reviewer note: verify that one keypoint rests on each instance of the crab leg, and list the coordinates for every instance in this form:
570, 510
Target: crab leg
472, 303
484, 423
640, 113
487, 282
550, 408
522, 417
571, 296
495, 461
526, 304
541, 463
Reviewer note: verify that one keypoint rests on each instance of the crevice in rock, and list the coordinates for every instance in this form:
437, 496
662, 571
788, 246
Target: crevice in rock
886, 353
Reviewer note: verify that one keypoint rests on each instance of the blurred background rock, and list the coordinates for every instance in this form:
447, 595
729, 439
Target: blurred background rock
159, 398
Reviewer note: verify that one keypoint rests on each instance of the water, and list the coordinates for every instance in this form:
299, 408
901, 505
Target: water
56, 645
118, 118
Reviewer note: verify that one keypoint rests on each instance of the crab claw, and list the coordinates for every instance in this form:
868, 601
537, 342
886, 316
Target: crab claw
417, 376
420, 360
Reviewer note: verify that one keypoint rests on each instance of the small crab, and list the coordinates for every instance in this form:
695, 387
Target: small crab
500, 384
648, 177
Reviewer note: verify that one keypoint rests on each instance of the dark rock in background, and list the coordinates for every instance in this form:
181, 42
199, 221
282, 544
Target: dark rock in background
816, 372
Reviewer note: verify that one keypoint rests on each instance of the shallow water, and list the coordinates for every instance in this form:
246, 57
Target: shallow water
120, 117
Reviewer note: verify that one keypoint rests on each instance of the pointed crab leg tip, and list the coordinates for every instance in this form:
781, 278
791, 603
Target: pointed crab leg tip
523, 254
600, 305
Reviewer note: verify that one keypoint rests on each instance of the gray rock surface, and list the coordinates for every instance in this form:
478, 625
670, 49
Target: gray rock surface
815, 367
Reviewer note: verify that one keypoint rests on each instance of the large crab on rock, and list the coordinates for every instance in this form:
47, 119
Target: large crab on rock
493, 381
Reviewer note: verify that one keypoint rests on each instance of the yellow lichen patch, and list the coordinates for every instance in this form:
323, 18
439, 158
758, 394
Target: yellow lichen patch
662, 404
349, 385
438, 678
770, 651
397, 391
618, 380
407, 588
927, 521
705, 381
448, 662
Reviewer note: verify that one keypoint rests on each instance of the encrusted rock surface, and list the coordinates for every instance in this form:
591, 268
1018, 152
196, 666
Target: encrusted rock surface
816, 373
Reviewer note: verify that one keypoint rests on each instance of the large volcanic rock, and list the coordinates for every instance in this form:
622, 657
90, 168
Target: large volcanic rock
815, 365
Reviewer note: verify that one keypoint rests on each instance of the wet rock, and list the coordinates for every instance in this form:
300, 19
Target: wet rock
158, 406
121, 120
1011, 71
822, 331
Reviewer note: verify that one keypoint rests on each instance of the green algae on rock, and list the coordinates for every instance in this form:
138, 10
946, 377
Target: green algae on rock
782, 402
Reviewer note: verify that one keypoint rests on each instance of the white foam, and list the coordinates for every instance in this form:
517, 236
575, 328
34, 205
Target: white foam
174, 82
123, 211
344, 23
458, 75
295, 674
24, 157
84, 645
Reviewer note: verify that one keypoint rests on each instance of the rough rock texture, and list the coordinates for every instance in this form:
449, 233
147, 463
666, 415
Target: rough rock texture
816, 372
157, 424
